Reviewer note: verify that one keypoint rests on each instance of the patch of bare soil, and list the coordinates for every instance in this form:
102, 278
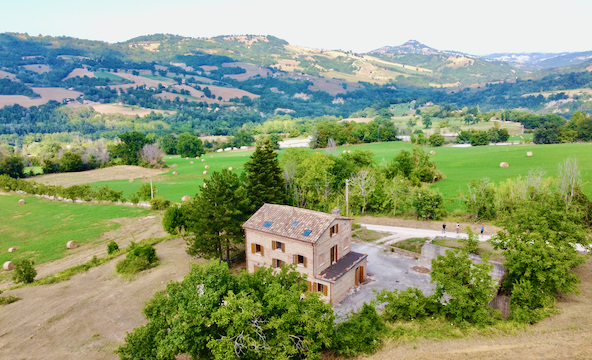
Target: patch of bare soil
88, 316
120, 172
567, 335
430, 225
251, 71
81, 72
420, 269
116, 109
49, 93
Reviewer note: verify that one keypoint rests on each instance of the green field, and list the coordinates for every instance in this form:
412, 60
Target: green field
458, 164
41, 228
157, 77
106, 75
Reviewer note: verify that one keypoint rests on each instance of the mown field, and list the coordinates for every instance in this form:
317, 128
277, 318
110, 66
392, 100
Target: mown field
41, 228
458, 164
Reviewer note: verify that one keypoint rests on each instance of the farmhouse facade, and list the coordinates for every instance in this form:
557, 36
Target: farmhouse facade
318, 243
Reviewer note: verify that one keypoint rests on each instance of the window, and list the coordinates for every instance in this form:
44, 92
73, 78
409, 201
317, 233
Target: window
306, 232
299, 260
334, 230
295, 224
277, 263
268, 224
256, 249
280, 246
322, 289
333, 254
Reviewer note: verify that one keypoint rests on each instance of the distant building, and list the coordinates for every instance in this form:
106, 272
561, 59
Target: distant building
318, 243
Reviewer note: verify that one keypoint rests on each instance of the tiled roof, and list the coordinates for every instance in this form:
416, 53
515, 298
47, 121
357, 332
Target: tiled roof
342, 266
283, 219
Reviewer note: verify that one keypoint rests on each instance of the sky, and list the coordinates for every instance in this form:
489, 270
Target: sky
476, 27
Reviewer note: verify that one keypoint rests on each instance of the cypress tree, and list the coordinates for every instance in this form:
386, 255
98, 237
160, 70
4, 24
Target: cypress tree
263, 177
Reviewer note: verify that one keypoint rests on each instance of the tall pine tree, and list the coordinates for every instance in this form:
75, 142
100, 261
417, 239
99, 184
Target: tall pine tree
263, 177
214, 219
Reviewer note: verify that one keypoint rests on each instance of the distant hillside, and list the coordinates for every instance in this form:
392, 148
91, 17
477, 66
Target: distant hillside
449, 68
544, 60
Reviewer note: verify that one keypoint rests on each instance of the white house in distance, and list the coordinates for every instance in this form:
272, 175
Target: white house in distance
318, 243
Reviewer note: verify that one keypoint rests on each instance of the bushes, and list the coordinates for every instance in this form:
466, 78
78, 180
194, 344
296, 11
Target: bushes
24, 272
112, 247
12, 166
159, 203
173, 221
360, 334
471, 244
408, 304
428, 203
436, 140
140, 257
5, 300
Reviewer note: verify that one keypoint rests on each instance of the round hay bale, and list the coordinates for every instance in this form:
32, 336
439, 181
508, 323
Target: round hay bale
131, 180
187, 158
22, 201
529, 153
205, 172
203, 159
197, 157
170, 157
9, 265
174, 173
211, 156
504, 164
71, 244
230, 168
191, 162
432, 152
143, 177
12, 249
207, 166
344, 151
205, 185
349, 151
186, 198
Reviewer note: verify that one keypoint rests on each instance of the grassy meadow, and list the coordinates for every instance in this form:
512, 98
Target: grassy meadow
41, 228
458, 164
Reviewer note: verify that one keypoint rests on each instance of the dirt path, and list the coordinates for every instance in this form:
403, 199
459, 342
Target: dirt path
120, 172
88, 316
132, 229
403, 233
428, 225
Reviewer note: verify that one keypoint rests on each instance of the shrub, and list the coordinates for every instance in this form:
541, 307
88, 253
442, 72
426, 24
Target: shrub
360, 334
428, 203
112, 247
408, 304
8, 299
173, 220
140, 257
24, 272
134, 198
471, 244
437, 140
159, 203
145, 192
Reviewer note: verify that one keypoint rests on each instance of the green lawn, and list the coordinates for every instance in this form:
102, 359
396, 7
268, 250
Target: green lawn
157, 77
41, 228
458, 164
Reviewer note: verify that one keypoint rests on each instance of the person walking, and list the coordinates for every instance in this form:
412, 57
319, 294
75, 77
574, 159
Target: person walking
482, 230
443, 228
457, 228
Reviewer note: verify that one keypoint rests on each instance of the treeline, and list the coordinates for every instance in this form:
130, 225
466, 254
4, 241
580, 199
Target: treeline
579, 128
8, 87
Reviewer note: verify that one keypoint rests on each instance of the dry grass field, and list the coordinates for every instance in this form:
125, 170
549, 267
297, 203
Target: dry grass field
49, 93
139, 81
120, 172
333, 86
209, 67
252, 70
570, 93
80, 72
38, 68
229, 93
7, 75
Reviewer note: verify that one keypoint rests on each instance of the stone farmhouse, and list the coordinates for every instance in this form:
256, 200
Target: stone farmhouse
318, 243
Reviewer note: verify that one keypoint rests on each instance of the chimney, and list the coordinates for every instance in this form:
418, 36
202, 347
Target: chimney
336, 211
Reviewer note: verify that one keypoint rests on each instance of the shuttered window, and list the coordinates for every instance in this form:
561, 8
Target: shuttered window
334, 230
299, 260
276, 263
323, 289
280, 246
308, 286
255, 267
256, 249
